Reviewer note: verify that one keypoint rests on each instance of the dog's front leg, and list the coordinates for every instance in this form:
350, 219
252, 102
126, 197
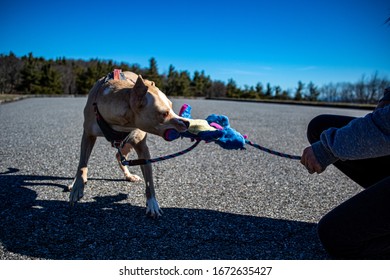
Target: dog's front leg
152, 207
77, 187
129, 177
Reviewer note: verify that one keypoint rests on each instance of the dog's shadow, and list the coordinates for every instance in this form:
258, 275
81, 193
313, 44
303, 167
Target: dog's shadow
107, 229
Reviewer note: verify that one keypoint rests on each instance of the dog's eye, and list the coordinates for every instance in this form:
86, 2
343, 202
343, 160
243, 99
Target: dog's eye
165, 114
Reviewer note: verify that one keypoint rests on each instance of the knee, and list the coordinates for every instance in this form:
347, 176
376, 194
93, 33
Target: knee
315, 128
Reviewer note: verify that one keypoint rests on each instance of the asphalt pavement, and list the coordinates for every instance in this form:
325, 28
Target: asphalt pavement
218, 204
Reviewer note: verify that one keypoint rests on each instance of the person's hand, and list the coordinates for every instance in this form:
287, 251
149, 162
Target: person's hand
309, 160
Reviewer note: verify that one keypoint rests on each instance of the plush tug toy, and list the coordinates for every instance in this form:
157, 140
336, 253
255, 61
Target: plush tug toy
215, 128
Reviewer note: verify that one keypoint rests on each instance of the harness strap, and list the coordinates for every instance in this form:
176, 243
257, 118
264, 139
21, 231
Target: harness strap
117, 74
115, 137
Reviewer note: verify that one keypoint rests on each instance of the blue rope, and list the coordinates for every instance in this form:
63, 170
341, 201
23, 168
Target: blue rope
153, 160
158, 159
272, 151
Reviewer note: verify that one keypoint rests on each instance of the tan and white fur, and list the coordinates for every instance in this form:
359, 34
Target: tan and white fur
133, 105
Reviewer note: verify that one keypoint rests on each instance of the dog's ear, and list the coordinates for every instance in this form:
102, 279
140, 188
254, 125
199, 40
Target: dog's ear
140, 90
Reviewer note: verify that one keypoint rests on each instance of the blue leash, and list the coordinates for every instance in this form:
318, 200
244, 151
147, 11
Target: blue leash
189, 149
272, 152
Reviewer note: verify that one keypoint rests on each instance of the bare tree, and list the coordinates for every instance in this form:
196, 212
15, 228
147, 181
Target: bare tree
361, 91
373, 90
217, 89
10, 67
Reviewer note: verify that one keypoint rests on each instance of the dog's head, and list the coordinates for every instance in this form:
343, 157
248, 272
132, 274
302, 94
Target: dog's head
153, 109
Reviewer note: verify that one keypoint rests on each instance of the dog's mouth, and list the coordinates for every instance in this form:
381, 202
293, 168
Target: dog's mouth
172, 134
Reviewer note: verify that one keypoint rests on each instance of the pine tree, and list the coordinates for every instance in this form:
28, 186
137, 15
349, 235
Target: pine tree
86, 78
313, 92
299, 91
184, 84
30, 74
231, 89
200, 84
278, 92
152, 73
50, 82
268, 91
172, 82
259, 90
248, 92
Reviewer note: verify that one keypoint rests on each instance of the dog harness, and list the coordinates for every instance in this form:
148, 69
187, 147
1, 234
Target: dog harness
116, 74
116, 138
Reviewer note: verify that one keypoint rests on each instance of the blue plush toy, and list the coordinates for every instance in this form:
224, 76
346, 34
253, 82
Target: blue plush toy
215, 128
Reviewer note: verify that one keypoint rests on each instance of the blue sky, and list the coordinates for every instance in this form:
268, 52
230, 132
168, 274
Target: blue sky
280, 41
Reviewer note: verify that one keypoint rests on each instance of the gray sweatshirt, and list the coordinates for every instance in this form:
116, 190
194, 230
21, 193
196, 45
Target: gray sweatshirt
366, 137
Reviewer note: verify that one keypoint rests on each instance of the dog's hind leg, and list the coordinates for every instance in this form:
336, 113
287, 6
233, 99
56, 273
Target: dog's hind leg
77, 187
125, 151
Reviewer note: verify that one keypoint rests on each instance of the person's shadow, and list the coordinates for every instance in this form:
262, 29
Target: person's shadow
105, 229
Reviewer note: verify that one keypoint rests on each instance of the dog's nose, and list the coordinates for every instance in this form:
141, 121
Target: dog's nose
180, 124
186, 123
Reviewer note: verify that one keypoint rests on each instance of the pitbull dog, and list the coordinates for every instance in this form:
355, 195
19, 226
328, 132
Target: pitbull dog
134, 106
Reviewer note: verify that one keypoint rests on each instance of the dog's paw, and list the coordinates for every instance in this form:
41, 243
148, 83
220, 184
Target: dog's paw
152, 208
76, 190
132, 178
68, 188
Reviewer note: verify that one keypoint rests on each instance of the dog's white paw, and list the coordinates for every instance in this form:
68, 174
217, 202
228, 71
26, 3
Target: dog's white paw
76, 190
152, 208
132, 178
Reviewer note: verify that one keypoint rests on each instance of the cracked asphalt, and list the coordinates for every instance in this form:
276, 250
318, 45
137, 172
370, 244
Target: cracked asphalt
218, 204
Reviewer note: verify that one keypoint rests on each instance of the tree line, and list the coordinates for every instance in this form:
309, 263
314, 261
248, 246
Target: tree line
37, 75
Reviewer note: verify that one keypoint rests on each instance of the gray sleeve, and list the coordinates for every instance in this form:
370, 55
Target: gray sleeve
366, 137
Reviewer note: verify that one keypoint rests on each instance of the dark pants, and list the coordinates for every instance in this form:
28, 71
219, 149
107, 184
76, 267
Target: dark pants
359, 228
